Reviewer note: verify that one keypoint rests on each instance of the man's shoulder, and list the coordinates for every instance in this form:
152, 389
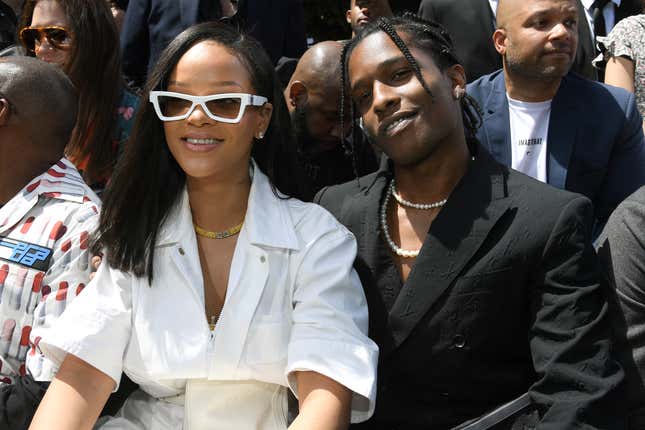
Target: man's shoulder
593, 91
532, 195
333, 197
484, 84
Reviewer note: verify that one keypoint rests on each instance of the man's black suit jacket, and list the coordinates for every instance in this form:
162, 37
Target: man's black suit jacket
503, 298
471, 24
150, 25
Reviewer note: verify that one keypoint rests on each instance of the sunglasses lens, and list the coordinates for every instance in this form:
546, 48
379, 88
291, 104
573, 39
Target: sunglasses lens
58, 37
173, 106
28, 37
225, 108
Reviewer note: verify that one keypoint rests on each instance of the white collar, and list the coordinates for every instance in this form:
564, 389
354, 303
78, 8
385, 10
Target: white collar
267, 221
588, 3
61, 181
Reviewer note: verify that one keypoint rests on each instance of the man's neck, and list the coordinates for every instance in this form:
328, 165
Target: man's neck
530, 90
435, 178
16, 176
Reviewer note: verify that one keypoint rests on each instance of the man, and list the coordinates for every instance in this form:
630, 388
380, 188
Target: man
570, 132
482, 283
46, 215
324, 146
471, 24
621, 251
150, 25
362, 12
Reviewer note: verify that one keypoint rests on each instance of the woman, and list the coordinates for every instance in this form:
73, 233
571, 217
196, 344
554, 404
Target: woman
81, 37
623, 51
196, 233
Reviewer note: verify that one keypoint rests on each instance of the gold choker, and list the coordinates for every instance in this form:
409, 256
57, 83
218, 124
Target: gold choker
218, 234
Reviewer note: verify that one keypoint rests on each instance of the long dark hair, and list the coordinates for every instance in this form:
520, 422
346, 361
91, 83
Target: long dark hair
95, 70
149, 181
428, 36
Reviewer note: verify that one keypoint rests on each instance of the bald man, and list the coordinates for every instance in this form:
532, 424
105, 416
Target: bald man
313, 100
46, 215
553, 125
362, 12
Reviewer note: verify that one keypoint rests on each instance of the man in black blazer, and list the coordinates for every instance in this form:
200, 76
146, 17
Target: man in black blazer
482, 283
471, 24
150, 25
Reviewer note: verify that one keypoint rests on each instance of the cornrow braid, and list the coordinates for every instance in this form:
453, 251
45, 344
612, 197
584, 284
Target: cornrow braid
341, 109
428, 36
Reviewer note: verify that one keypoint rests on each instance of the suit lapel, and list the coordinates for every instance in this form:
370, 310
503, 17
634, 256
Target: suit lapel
361, 214
562, 134
497, 123
456, 234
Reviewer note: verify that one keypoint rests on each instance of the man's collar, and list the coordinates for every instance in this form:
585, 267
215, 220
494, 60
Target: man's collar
61, 181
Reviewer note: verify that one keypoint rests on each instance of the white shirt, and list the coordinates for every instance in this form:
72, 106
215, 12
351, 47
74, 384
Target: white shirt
608, 13
529, 131
44, 262
293, 303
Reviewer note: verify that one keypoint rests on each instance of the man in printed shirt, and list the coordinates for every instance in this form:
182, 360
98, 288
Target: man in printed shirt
46, 215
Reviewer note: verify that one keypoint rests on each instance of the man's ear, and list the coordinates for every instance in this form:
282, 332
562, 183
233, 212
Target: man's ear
5, 112
297, 94
499, 40
348, 16
457, 76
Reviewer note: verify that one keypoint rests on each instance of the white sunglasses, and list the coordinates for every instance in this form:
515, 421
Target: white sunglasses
228, 108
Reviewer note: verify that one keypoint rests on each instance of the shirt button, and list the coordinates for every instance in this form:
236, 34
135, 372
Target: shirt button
181, 251
263, 259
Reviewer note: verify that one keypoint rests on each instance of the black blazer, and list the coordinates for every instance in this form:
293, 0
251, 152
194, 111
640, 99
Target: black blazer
471, 24
503, 298
150, 25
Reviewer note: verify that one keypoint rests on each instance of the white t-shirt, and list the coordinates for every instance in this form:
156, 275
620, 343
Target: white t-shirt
529, 129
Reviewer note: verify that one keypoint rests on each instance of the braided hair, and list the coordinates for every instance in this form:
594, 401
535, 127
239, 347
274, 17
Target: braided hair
428, 36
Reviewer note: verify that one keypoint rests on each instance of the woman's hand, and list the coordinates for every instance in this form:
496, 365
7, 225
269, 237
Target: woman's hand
75, 397
324, 403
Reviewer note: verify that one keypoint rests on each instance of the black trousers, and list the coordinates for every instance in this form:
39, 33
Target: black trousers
19, 401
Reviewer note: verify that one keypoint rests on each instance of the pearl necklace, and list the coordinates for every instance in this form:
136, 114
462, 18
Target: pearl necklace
386, 231
422, 206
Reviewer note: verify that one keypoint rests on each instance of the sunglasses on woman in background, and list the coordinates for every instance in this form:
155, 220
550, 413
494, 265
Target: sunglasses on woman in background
58, 37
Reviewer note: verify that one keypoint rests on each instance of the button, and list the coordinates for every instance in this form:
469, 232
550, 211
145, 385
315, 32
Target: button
181, 251
263, 259
459, 341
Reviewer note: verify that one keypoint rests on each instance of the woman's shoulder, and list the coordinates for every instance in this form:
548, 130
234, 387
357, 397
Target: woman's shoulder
629, 27
311, 220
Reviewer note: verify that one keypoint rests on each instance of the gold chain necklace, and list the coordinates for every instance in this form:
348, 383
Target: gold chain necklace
218, 234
